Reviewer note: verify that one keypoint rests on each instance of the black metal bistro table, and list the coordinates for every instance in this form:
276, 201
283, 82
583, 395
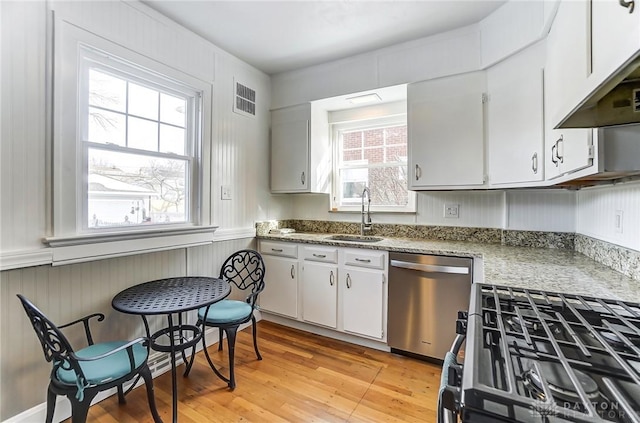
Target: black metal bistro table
168, 297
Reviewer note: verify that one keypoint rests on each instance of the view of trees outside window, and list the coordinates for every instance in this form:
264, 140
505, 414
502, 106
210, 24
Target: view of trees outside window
376, 158
136, 144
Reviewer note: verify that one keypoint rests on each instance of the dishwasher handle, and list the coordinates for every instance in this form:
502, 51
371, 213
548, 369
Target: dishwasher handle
431, 268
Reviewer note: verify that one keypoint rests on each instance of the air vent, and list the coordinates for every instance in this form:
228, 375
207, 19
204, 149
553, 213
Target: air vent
245, 103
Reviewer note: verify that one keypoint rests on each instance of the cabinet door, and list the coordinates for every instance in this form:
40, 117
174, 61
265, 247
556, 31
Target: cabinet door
362, 302
568, 150
445, 131
280, 293
515, 118
320, 294
568, 60
290, 156
615, 35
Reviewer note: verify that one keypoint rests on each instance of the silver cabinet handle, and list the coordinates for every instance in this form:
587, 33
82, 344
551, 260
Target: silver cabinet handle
363, 260
293, 274
553, 154
559, 154
418, 172
302, 178
628, 4
331, 278
534, 162
348, 280
277, 250
319, 255
432, 268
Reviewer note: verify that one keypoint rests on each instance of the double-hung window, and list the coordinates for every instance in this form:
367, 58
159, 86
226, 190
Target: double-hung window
129, 147
371, 153
138, 143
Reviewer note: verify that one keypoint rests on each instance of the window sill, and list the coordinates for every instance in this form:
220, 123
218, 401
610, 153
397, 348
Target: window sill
97, 246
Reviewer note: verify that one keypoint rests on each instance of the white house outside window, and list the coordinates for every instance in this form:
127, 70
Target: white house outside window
138, 142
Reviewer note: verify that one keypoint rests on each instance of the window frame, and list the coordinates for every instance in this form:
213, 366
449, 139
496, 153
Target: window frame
90, 58
67, 156
384, 120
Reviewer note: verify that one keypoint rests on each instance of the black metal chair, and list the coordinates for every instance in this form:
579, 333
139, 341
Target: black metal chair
81, 375
245, 269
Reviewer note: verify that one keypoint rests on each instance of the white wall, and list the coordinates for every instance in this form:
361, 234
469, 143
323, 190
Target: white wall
596, 213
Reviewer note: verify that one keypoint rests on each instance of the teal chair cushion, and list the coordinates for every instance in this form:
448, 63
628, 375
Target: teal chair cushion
104, 369
226, 311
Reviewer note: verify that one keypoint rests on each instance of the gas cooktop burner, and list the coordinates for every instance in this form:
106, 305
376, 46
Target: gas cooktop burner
531, 321
559, 383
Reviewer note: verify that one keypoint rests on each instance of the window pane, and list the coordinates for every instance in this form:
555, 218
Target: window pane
143, 134
172, 110
107, 91
388, 186
351, 140
171, 139
352, 155
133, 189
396, 135
105, 127
352, 183
374, 155
373, 137
143, 101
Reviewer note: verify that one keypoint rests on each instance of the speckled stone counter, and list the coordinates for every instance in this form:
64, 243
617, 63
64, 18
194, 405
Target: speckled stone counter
556, 270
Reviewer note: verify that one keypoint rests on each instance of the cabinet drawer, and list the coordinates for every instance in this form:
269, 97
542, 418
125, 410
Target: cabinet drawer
282, 249
326, 255
364, 258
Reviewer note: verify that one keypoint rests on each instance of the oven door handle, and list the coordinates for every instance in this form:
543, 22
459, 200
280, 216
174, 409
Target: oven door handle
449, 395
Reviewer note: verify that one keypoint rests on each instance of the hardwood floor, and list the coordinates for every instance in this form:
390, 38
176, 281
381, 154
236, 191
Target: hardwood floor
302, 378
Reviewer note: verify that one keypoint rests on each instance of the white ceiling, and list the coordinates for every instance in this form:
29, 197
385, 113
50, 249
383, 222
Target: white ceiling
277, 36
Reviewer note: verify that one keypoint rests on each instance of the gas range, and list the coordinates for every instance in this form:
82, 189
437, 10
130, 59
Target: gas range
535, 356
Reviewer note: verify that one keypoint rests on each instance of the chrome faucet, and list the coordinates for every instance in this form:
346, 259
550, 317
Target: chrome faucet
366, 224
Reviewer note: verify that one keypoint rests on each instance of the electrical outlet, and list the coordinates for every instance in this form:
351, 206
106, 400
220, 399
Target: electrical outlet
225, 192
452, 211
617, 225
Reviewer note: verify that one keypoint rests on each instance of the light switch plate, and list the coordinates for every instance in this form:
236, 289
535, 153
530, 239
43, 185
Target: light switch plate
225, 192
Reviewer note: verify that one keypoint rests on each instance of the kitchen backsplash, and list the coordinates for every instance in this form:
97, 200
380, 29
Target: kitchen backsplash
623, 260
444, 233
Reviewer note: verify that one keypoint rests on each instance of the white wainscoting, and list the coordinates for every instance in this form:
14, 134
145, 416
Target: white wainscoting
596, 214
541, 210
67, 292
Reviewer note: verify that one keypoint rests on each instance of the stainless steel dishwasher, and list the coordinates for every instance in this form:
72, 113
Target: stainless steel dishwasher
425, 294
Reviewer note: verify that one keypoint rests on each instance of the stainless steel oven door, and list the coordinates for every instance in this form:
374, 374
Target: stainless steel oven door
451, 380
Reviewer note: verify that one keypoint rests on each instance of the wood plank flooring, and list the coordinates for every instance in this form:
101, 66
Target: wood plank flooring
302, 378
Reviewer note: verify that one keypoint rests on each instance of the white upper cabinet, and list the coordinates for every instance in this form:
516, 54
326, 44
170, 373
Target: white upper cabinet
515, 119
566, 76
300, 150
615, 35
446, 132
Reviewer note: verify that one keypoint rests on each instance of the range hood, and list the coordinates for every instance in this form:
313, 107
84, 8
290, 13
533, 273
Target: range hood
616, 101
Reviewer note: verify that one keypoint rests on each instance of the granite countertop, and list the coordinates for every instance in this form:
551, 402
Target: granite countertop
555, 270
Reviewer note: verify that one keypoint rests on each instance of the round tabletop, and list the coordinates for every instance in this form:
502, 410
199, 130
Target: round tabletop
171, 295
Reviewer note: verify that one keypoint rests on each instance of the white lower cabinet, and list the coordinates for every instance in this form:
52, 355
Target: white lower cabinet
363, 302
363, 291
342, 289
280, 294
320, 286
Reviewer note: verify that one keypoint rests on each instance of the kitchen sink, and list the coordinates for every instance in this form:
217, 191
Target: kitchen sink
354, 238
